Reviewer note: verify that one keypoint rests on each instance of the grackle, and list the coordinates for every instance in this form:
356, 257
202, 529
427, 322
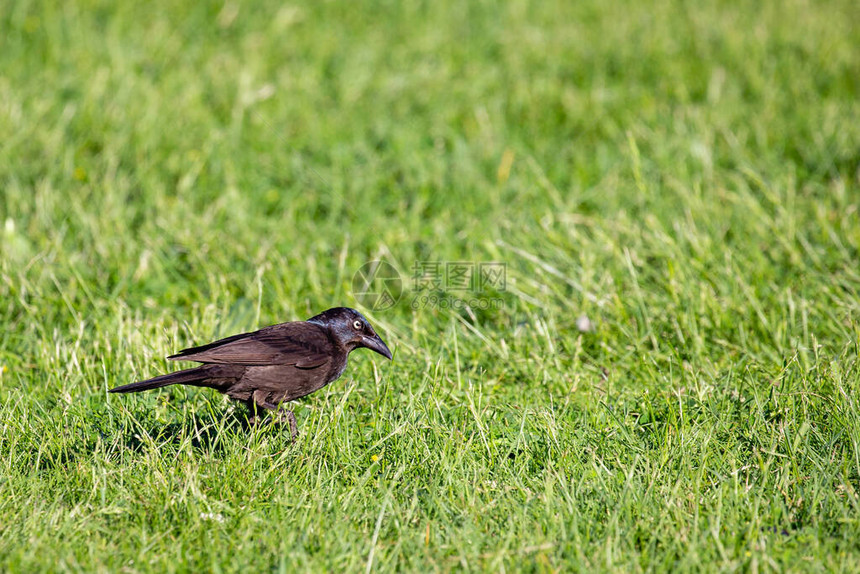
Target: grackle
275, 364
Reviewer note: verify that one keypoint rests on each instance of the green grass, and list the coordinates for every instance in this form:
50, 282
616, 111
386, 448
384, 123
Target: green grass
685, 174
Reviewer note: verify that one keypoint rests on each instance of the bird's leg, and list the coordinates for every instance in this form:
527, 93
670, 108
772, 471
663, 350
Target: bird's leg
287, 416
260, 402
255, 415
258, 408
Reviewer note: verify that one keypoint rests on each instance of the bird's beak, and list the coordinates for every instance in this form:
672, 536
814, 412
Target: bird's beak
376, 344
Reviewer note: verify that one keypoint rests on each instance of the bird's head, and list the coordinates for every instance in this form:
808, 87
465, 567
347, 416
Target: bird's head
349, 328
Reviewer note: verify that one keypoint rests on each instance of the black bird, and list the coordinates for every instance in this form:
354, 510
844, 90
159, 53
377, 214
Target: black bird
275, 364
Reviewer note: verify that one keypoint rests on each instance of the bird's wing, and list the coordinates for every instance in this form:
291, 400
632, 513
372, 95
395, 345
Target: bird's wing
302, 344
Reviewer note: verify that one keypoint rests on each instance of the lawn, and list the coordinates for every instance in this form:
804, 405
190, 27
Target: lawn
667, 380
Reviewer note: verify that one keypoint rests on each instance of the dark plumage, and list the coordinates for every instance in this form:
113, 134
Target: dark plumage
275, 364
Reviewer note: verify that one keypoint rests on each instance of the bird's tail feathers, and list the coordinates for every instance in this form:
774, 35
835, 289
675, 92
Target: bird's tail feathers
186, 377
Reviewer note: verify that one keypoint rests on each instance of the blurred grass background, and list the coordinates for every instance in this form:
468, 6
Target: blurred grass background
684, 174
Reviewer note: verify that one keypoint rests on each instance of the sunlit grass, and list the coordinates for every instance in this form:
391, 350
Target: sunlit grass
684, 177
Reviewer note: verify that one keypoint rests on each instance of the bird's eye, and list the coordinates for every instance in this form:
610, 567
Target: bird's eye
357, 325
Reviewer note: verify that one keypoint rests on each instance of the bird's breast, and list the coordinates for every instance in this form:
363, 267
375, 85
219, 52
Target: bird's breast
338, 366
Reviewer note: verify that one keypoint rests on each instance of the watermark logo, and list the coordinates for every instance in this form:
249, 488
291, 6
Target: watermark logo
434, 284
471, 276
377, 285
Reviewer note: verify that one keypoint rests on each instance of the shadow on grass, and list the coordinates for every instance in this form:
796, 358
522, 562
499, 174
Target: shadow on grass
205, 434
211, 433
